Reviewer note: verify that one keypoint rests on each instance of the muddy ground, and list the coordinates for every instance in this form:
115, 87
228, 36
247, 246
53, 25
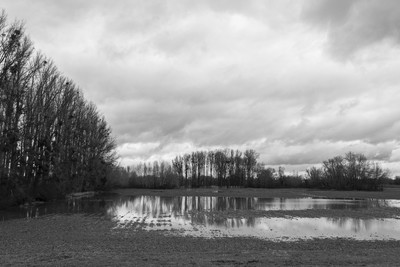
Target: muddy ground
79, 240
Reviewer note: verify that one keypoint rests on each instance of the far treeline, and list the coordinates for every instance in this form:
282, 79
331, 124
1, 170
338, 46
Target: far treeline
52, 141
232, 168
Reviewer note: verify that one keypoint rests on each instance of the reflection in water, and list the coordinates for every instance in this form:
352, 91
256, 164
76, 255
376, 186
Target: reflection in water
95, 206
200, 216
155, 206
159, 205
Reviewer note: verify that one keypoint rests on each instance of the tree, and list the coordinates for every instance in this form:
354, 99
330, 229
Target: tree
315, 176
353, 172
266, 178
178, 164
211, 159
250, 162
186, 162
51, 138
239, 168
194, 161
201, 162
220, 165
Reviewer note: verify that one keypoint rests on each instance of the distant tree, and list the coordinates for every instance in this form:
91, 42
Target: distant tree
231, 168
239, 168
266, 178
194, 162
178, 165
211, 160
220, 165
201, 162
315, 177
250, 162
353, 172
334, 172
186, 162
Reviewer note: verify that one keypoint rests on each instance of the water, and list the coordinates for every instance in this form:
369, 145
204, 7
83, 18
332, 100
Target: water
95, 206
214, 217
202, 217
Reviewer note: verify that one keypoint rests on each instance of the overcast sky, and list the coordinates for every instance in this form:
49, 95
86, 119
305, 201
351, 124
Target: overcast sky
298, 81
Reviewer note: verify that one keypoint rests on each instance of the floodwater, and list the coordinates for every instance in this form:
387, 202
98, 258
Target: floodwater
206, 217
214, 217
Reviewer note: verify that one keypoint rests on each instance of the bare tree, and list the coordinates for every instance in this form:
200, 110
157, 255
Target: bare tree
178, 165
250, 162
186, 161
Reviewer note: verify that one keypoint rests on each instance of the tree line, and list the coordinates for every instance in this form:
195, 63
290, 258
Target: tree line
197, 169
234, 168
350, 172
52, 140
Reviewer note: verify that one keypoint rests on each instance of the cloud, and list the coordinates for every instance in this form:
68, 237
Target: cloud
177, 76
274, 153
354, 25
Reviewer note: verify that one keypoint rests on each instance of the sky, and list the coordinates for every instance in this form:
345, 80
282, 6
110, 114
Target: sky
298, 81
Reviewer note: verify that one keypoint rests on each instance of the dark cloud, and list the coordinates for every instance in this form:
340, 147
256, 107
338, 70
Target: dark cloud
353, 25
328, 12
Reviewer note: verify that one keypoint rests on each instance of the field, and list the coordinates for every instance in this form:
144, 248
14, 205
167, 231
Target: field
89, 240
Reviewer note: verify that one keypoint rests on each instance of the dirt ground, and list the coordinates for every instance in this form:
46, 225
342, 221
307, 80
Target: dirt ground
79, 240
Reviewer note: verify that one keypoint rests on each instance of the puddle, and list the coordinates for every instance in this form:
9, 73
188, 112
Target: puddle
292, 229
203, 216
190, 216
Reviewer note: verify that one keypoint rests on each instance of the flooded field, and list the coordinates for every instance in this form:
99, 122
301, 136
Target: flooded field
201, 216
227, 227
213, 217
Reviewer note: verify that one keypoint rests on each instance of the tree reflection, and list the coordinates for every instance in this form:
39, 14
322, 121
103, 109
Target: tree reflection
354, 224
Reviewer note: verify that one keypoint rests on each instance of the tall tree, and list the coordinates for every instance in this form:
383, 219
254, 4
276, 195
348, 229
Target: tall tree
178, 165
250, 162
49, 134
